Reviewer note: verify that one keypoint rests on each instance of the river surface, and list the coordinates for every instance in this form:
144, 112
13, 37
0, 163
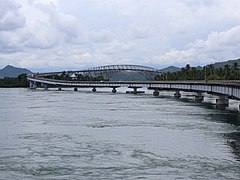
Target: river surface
84, 135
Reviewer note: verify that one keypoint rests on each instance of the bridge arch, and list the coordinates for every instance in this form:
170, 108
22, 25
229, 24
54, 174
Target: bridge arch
109, 71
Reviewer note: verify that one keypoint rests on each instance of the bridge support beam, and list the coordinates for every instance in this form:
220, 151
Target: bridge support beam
32, 85
114, 90
45, 86
199, 97
135, 90
222, 101
94, 89
155, 92
177, 94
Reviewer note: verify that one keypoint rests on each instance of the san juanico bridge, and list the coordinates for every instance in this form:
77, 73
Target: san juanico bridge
223, 90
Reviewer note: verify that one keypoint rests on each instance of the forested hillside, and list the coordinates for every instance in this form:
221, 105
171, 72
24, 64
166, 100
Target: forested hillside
209, 72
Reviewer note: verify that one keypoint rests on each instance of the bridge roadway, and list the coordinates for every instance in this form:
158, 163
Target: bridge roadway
223, 89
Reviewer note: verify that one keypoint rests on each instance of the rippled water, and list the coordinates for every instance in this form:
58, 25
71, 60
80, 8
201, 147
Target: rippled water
85, 135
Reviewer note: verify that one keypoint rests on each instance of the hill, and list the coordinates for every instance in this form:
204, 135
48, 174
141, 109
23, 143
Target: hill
216, 65
11, 71
170, 69
229, 62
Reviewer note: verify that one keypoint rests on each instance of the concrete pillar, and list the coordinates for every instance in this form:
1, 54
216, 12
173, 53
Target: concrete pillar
34, 86
199, 97
135, 90
30, 84
45, 86
155, 92
94, 89
222, 101
114, 90
75, 89
177, 94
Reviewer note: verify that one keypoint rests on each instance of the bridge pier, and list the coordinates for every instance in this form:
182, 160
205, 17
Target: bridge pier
223, 101
45, 86
223, 89
114, 90
155, 92
199, 97
177, 94
135, 90
32, 85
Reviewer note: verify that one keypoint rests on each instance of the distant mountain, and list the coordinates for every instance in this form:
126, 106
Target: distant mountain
229, 62
199, 67
170, 69
11, 71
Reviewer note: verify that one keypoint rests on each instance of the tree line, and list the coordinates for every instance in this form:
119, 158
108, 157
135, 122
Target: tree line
209, 72
20, 81
78, 77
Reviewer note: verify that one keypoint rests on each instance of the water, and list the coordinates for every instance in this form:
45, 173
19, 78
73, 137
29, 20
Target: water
85, 135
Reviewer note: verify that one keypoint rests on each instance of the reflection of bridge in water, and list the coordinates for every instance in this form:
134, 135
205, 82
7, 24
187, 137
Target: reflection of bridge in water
223, 89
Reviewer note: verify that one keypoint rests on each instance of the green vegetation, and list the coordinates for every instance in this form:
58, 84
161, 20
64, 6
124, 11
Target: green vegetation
76, 77
20, 81
209, 72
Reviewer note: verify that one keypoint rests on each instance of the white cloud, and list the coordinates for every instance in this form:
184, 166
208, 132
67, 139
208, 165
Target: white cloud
59, 33
115, 46
215, 47
10, 17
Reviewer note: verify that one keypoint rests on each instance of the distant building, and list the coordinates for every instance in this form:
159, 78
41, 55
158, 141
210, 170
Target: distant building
73, 77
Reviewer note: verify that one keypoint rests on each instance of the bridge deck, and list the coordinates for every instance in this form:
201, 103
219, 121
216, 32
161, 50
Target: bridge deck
228, 88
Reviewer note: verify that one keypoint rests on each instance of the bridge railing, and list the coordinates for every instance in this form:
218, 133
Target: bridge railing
229, 88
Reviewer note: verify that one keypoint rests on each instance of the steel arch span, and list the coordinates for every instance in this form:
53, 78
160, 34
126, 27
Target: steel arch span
123, 67
110, 70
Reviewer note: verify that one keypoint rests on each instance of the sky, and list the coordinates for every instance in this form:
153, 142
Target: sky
48, 35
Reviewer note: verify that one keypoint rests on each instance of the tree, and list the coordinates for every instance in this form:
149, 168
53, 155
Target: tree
226, 72
235, 71
207, 72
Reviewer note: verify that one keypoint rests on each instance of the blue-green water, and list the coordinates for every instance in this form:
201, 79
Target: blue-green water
85, 135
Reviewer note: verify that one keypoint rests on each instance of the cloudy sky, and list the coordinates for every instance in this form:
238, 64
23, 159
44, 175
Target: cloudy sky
47, 35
